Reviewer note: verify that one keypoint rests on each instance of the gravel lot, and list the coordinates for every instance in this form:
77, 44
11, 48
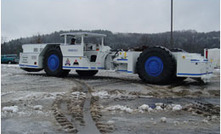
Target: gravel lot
109, 102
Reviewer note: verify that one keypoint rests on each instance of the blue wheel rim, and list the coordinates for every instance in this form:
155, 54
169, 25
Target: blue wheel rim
53, 62
154, 66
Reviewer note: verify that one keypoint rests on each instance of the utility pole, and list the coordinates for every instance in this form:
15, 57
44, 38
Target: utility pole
171, 33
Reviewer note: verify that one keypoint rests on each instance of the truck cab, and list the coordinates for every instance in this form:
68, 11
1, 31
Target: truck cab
88, 52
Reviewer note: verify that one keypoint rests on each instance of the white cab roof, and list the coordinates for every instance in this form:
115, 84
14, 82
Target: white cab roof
85, 34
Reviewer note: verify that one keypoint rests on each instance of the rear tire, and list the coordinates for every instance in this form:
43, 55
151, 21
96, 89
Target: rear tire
86, 72
156, 65
53, 63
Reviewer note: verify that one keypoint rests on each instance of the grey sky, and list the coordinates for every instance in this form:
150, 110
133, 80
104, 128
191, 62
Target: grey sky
22, 18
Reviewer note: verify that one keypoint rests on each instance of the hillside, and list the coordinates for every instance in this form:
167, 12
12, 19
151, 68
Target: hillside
190, 40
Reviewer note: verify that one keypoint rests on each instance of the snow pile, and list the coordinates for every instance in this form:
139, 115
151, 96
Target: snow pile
205, 121
176, 107
78, 94
120, 107
144, 107
110, 122
163, 119
38, 107
11, 109
101, 94
158, 108
159, 104
176, 123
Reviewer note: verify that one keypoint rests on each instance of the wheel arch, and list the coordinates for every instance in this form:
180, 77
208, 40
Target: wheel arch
44, 51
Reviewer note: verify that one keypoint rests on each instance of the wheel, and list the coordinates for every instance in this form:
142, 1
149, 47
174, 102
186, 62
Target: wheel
156, 65
86, 72
53, 63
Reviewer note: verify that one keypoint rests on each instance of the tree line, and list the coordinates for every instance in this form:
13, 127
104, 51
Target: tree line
188, 40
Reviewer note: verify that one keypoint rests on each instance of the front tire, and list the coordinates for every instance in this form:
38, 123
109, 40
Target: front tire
156, 65
53, 63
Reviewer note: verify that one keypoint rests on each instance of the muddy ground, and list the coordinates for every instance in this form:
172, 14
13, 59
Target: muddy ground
109, 102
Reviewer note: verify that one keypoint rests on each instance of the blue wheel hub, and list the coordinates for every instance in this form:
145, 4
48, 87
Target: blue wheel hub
53, 62
154, 66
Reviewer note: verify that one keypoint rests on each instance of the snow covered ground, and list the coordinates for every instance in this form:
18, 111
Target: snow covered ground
123, 102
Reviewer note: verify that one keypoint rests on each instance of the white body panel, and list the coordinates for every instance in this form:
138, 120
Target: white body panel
213, 56
72, 50
193, 65
31, 58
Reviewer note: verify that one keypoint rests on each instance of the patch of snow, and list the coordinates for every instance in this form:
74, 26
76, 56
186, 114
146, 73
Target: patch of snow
120, 107
185, 122
205, 121
39, 95
176, 123
78, 94
163, 119
143, 107
159, 104
214, 117
177, 107
11, 109
110, 122
158, 108
101, 94
141, 111
150, 109
38, 107
22, 113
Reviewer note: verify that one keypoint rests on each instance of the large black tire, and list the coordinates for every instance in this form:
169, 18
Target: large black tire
156, 65
53, 63
86, 72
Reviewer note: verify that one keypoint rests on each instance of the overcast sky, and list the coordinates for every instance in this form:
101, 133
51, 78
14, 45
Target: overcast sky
22, 18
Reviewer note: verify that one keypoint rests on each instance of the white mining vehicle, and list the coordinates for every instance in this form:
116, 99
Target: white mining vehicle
156, 65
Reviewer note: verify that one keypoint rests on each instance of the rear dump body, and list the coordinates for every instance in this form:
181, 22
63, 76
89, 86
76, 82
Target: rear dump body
187, 64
